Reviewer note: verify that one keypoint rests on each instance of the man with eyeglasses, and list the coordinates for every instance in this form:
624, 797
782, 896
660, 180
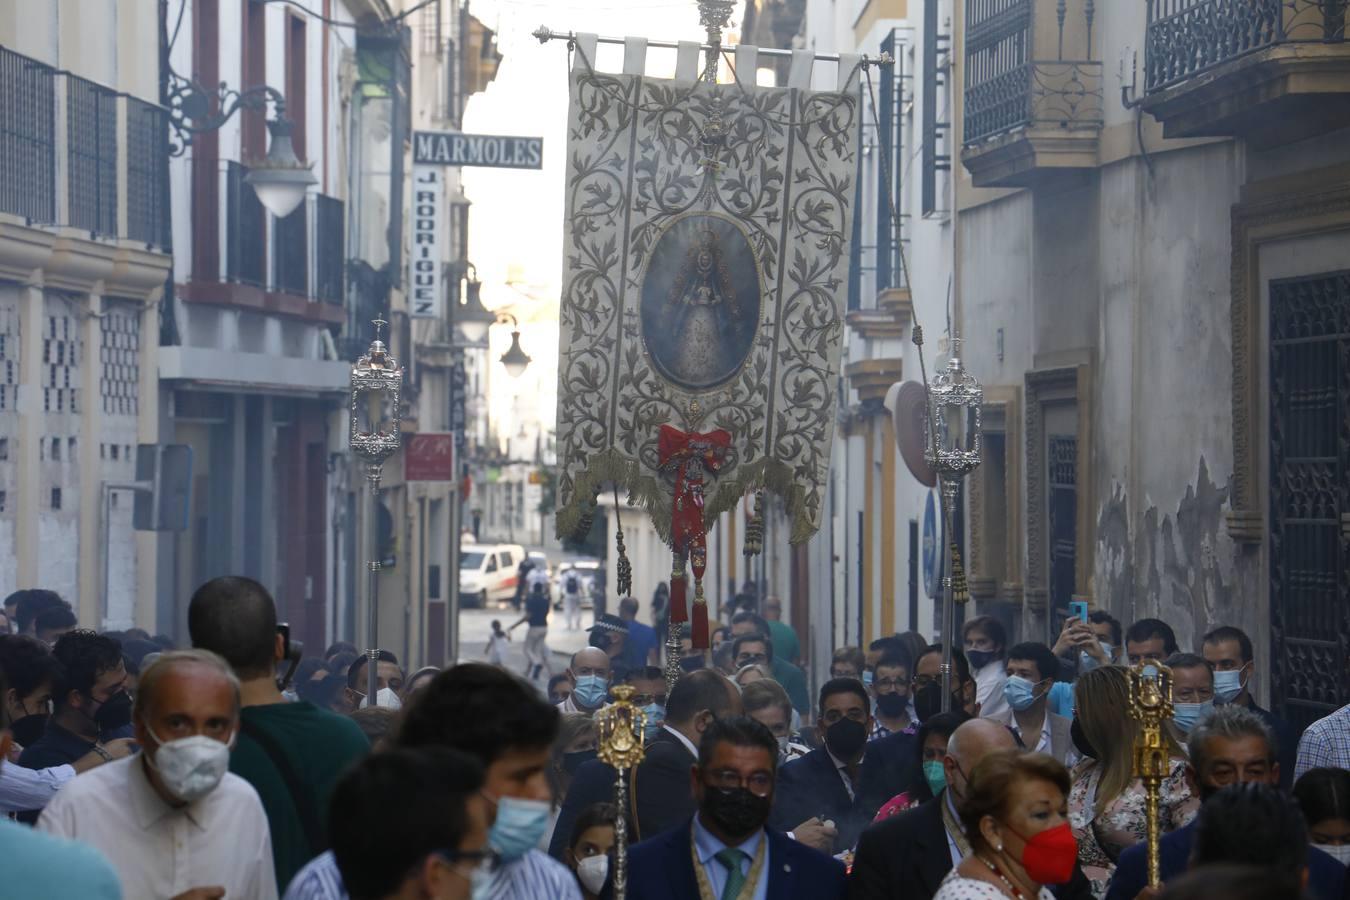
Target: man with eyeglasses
842, 782
725, 850
437, 846
785, 673
890, 695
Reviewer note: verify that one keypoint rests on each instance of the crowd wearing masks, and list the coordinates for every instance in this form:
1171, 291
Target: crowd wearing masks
134, 768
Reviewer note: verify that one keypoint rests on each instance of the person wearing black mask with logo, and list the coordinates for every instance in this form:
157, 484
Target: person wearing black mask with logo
725, 850
927, 690
890, 689
845, 781
90, 701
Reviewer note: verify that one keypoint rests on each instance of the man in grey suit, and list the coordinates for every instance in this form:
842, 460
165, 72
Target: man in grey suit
1032, 668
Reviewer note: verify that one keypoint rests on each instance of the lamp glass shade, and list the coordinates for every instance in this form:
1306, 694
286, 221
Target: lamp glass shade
280, 179
470, 315
515, 359
474, 332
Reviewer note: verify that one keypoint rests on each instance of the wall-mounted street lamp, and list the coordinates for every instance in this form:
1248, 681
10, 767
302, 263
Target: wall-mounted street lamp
471, 318
280, 179
515, 359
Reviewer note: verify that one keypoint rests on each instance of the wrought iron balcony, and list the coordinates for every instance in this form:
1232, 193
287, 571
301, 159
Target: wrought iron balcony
1225, 67
243, 257
1033, 93
60, 159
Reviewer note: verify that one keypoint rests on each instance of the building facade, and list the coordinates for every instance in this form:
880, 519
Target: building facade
84, 262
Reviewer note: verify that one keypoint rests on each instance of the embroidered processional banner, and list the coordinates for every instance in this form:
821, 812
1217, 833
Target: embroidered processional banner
706, 253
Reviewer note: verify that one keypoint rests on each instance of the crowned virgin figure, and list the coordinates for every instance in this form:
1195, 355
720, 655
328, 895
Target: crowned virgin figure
704, 318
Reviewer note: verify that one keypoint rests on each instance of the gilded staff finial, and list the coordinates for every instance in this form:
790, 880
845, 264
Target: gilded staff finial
1150, 685
620, 727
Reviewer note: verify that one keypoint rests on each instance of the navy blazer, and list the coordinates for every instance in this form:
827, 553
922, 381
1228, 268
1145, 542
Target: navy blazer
663, 869
1326, 877
812, 786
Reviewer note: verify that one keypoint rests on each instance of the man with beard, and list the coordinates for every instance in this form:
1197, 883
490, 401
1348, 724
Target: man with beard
1232, 745
725, 850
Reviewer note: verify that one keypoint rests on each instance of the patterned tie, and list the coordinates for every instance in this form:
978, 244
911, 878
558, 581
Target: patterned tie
731, 858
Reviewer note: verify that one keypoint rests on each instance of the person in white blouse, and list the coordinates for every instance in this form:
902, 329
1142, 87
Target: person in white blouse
1015, 813
986, 646
173, 822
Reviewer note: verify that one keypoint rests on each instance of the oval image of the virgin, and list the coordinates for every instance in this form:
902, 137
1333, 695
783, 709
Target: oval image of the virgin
700, 302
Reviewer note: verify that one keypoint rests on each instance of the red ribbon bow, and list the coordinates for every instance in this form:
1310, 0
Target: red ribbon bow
691, 455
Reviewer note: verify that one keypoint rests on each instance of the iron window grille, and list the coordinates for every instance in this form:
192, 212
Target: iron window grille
91, 155
27, 137
147, 167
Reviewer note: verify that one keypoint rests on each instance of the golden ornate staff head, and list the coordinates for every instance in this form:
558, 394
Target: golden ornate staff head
620, 727
1151, 707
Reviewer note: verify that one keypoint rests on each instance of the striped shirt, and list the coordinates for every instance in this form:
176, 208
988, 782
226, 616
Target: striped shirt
535, 876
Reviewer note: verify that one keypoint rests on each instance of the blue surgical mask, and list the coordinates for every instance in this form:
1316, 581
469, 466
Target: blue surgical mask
590, 691
1185, 715
867, 678
519, 826
1227, 685
1019, 692
1087, 662
656, 717
480, 883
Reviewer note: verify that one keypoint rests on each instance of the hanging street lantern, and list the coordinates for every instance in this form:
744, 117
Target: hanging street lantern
473, 320
280, 179
377, 387
515, 359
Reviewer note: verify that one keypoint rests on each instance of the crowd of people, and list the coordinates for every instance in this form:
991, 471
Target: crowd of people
134, 768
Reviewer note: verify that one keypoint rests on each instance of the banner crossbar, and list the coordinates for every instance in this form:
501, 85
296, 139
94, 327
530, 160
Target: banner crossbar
544, 34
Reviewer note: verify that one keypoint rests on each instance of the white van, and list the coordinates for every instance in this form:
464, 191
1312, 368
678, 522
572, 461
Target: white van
487, 573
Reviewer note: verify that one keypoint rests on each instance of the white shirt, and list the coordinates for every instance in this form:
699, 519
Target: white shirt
22, 789
842, 768
989, 680
1043, 744
159, 851
688, 744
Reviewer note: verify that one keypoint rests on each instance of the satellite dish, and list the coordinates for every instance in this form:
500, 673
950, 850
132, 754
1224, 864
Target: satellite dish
908, 404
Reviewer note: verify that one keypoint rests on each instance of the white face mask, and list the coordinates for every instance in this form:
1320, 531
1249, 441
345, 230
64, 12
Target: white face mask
386, 698
592, 872
190, 767
1338, 852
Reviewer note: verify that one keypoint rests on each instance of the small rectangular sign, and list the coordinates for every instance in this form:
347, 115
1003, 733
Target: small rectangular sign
429, 457
454, 148
426, 287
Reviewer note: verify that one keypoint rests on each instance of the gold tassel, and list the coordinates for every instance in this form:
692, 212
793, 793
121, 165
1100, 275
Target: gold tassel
754, 532
960, 590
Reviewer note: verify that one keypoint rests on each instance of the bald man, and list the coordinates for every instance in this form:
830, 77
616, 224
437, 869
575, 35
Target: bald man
907, 856
172, 821
589, 672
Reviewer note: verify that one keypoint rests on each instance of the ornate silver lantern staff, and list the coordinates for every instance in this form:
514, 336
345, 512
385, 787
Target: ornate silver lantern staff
620, 728
377, 386
954, 402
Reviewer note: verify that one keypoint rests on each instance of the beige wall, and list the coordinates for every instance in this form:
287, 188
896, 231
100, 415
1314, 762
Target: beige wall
114, 43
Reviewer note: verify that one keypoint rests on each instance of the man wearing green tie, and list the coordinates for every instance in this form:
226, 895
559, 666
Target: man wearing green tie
725, 852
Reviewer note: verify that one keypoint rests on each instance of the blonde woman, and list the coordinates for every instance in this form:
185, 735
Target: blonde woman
1106, 802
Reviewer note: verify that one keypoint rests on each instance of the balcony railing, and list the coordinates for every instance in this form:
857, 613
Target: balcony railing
306, 259
59, 154
1029, 64
1189, 37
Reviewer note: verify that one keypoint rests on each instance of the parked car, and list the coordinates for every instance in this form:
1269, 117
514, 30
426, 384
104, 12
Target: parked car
585, 569
487, 573
540, 558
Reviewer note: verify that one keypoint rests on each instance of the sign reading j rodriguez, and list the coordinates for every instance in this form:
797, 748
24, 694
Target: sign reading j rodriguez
453, 148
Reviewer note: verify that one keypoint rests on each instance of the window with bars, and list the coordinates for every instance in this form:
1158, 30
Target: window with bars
147, 170
91, 155
61, 351
330, 254
290, 249
10, 346
27, 137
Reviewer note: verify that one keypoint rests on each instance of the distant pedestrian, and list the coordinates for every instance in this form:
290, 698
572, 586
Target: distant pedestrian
496, 645
536, 635
572, 599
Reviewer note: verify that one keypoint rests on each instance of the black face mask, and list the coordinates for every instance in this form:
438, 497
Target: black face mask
737, 811
574, 760
928, 701
845, 738
892, 705
1080, 740
114, 713
28, 729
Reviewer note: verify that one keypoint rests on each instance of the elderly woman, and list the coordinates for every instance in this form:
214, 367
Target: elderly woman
747, 675
767, 703
1015, 813
1107, 801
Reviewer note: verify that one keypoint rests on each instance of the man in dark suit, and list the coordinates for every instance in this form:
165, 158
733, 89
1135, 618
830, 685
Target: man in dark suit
848, 779
906, 856
725, 850
659, 790
1231, 745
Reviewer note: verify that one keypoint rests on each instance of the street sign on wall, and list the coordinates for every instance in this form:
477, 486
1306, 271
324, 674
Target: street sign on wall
454, 148
931, 549
426, 287
429, 457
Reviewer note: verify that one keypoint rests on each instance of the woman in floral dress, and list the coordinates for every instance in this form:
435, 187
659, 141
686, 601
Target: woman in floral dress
1106, 802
